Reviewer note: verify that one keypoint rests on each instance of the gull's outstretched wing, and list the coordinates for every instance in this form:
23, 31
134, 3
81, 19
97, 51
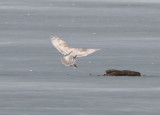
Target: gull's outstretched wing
61, 45
65, 49
82, 52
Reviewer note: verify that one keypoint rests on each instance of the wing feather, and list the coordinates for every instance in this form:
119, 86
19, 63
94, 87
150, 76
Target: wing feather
65, 49
84, 52
60, 45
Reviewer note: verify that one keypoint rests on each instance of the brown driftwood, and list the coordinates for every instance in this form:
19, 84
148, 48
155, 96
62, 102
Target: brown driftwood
121, 73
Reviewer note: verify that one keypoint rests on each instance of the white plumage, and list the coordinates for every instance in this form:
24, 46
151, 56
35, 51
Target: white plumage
69, 52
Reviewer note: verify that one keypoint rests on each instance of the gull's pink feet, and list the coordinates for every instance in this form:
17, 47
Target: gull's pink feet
75, 65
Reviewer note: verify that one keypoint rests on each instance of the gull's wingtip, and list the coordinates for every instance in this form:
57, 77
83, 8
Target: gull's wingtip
97, 49
53, 36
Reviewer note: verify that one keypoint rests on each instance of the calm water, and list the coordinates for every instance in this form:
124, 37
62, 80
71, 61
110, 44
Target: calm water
34, 82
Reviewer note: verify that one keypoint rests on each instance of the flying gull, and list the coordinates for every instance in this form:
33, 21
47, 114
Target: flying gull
69, 53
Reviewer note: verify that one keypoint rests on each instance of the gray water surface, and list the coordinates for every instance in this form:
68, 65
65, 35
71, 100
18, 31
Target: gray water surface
34, 82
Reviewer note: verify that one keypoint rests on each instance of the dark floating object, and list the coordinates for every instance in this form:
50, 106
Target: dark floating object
114, 72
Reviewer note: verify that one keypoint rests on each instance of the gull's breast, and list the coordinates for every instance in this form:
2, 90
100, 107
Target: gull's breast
68, 60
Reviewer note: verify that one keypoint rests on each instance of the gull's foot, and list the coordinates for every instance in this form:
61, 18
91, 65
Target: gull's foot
75, 65
74, 57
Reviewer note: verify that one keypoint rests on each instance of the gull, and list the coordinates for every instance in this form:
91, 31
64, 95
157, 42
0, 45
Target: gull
70, 54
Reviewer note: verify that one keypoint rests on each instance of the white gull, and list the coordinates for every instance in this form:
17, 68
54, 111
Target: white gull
70, 53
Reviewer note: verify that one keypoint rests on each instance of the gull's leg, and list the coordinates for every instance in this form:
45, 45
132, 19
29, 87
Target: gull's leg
68, 53
74, 57
75, 65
